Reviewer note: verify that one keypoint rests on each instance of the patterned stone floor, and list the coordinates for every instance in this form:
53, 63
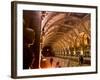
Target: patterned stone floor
60, 62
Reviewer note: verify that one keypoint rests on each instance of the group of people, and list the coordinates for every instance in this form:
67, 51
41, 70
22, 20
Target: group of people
57, 63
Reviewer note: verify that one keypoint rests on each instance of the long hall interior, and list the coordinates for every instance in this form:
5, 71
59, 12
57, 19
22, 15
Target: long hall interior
59, 39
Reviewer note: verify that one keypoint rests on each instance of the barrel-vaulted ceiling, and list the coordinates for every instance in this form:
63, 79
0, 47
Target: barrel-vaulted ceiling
62, 29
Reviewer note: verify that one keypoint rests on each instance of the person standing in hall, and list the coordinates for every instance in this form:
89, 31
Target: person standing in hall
81, 59
51, 61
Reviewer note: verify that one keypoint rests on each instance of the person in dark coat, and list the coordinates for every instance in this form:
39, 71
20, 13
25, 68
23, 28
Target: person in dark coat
51, 61
28, 41
58, 64
80, 59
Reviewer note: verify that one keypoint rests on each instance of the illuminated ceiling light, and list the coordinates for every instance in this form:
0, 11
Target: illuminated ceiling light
44, 59
81, 34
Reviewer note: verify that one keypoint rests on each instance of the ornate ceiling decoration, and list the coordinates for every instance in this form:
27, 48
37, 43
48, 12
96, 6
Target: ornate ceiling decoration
62, 29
